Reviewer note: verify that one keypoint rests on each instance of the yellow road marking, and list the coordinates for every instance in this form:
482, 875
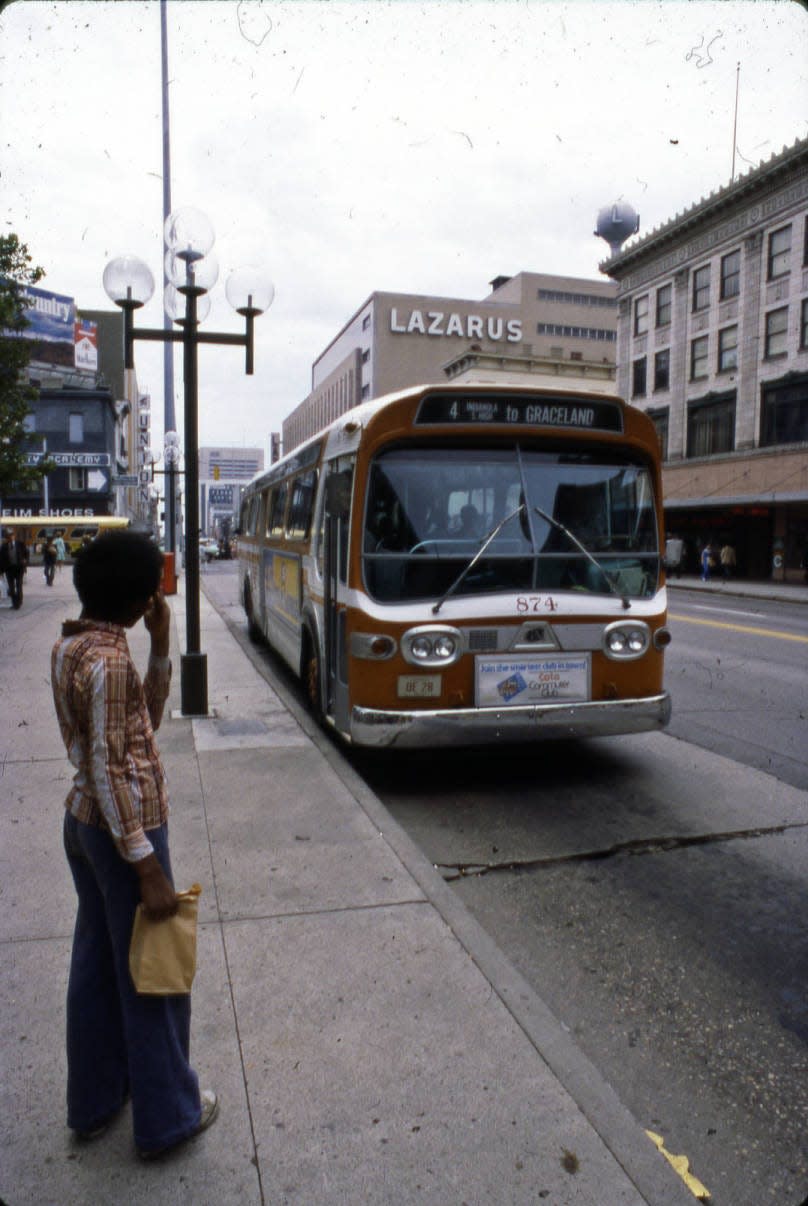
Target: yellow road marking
681, 1164
766, 632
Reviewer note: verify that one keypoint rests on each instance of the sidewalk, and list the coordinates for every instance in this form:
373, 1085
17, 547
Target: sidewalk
369, 1042
781, 592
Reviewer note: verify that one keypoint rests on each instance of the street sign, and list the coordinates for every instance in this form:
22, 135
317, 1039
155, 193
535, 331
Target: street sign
126, 479
97, 479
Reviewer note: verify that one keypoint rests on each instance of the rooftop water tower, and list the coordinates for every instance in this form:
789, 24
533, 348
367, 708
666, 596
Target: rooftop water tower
616, 223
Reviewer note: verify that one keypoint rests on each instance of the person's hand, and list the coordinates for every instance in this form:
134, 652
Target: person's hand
157, 895
157, 618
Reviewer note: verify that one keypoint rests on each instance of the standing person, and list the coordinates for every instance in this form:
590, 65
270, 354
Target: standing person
61, 551
116, 839
707, 561
727, 557
13, 563
49, 559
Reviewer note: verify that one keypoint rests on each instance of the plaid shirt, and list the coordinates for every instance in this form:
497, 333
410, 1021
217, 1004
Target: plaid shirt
107, 718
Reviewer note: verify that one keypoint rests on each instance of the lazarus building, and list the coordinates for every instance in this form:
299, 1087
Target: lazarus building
531, 328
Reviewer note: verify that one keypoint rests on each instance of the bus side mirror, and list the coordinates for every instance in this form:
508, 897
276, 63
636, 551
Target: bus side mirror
338, 494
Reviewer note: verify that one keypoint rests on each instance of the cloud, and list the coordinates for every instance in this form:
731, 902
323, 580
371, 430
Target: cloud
375, 144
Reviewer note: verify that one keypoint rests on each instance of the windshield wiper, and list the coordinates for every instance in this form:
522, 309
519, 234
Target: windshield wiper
467, 569
601, 568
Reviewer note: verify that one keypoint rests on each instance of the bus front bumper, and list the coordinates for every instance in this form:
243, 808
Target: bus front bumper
473, 726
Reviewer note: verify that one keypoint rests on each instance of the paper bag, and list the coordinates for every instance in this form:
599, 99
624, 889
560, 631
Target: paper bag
162, 954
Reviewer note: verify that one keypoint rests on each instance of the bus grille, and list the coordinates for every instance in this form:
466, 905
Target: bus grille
482, 639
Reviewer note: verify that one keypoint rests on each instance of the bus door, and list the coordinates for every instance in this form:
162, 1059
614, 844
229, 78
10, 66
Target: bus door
338, 487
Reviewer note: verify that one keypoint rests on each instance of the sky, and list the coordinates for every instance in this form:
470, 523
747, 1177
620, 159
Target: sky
347, 146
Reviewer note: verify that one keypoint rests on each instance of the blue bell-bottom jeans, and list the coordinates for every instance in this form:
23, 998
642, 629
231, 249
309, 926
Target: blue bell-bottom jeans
117, 1041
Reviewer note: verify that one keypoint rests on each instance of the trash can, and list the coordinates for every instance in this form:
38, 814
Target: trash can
169, 584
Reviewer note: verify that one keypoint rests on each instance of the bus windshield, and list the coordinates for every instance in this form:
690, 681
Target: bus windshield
544, 520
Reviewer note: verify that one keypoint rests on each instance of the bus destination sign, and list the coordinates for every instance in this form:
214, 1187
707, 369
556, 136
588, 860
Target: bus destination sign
580, 414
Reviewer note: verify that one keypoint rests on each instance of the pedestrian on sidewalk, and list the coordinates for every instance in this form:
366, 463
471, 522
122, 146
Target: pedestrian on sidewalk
727, 557
116, 839
49, 559
61, 550
707, 562
13, 563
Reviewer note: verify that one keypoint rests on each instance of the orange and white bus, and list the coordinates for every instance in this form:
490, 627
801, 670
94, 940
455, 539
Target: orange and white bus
452, 565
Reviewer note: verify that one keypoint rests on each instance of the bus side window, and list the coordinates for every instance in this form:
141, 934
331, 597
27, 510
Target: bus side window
301, 505
269, 499
275, 526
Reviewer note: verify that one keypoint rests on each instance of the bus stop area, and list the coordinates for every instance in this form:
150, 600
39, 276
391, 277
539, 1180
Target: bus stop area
368, 1041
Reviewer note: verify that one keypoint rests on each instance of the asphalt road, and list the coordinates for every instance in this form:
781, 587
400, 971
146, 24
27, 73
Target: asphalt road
738, 673
653, 890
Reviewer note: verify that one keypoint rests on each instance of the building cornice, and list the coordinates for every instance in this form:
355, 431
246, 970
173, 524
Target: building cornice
776, 172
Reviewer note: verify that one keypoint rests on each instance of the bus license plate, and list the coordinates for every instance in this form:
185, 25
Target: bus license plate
419, 686
519, 681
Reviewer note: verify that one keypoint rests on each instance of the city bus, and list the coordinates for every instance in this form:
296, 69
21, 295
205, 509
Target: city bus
457, 565
75, 529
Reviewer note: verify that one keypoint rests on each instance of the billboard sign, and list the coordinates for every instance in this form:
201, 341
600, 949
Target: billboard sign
52, 319
85, 339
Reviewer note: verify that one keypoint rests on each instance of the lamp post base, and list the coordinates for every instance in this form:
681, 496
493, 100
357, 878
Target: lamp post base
194, 684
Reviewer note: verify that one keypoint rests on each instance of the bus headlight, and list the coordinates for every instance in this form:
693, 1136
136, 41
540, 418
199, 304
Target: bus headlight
626, 640
431, 645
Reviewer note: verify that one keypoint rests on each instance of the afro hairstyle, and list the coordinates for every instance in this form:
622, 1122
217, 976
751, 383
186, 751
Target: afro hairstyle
116, 571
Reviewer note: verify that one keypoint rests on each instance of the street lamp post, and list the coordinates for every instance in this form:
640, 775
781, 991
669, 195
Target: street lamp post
192, 271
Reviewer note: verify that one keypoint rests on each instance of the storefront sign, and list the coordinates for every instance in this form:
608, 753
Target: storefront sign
70, 460
466, 326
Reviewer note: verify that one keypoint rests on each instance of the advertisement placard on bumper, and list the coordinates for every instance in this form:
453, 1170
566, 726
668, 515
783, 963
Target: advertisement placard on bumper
516, 681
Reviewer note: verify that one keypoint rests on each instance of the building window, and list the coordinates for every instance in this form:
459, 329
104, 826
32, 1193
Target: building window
805, 244
784, 417
663, 306
727, 349
641, 315
804, 326
659, 418
366, 356
776, 333
701, 288
730, 275
75, 428
555, 328
365, 392
77, 480
699, 366
576, 299
638, 374
366, 322
779, 252
711, 427
662, 369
